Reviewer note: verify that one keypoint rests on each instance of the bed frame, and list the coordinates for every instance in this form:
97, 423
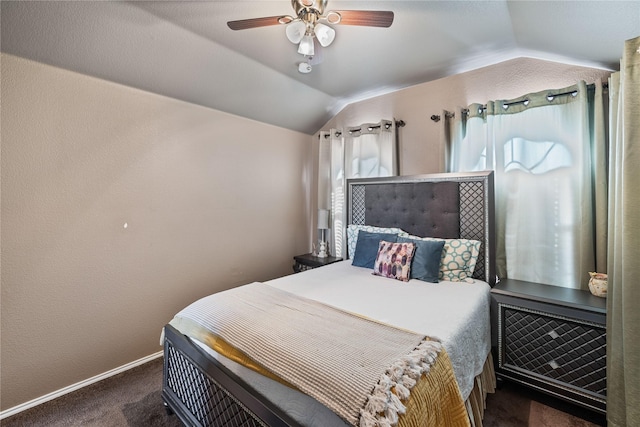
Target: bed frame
201, 391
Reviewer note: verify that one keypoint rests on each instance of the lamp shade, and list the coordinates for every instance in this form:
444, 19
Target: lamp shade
306, 45
325, 34
323, 219
295, 31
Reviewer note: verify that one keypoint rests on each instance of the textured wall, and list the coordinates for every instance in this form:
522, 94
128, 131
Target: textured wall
210, 201
421, 148
208, 205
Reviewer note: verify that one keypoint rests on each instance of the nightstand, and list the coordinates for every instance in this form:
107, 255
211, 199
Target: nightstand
309, 261
552, 339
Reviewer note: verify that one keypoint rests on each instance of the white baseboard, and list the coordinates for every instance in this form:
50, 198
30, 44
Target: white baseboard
47, 397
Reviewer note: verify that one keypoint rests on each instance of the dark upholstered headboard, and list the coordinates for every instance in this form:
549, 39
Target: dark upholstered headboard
447, 205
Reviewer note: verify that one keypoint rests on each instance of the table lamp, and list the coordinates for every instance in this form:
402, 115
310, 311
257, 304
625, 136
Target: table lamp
323, 226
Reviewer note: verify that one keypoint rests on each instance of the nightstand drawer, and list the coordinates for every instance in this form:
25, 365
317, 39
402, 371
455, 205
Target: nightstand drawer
560, 349
552, 339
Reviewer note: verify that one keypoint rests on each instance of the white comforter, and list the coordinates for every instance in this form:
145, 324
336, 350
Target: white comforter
455, 312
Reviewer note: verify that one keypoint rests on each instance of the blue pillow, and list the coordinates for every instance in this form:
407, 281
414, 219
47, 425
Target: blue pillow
426, 260
367, 247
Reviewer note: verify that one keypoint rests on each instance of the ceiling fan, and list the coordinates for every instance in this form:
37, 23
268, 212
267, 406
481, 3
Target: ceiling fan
310, 25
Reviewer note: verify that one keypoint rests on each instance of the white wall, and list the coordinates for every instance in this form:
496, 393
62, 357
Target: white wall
210, 200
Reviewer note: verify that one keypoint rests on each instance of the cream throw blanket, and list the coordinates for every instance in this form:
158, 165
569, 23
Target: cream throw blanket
359, 368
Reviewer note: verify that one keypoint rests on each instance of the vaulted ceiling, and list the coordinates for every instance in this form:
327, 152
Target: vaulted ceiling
185, 50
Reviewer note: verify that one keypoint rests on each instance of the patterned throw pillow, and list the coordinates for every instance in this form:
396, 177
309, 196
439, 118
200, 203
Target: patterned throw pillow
394, 260
352, 235
459, 259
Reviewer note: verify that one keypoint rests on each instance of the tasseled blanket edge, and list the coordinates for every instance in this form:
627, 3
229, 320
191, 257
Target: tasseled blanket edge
384, 405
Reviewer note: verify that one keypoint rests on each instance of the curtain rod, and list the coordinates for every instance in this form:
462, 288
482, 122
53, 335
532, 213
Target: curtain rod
399, 123
550, 97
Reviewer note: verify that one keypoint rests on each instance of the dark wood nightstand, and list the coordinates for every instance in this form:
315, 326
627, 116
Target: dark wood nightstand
309, 261
552, 339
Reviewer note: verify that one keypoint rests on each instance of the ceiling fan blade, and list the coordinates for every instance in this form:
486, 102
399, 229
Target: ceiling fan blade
367, 18
244, 24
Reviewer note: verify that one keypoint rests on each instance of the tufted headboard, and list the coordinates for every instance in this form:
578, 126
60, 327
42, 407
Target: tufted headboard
459, 205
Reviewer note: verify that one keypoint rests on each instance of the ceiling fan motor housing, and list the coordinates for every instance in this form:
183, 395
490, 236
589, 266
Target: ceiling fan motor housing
315, 6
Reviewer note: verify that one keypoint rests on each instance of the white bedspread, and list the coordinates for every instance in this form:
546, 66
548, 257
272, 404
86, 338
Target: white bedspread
455, 312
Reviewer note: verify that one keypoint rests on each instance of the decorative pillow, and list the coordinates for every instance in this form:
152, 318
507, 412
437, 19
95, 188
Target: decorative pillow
367, 247
459, 259
394, 260
352, 235
426, 259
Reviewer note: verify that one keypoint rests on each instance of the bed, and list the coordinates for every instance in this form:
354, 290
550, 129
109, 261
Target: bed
203, 386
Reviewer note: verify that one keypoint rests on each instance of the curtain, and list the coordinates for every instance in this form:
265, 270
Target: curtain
623, 316
368, 150
331, 185
542, 147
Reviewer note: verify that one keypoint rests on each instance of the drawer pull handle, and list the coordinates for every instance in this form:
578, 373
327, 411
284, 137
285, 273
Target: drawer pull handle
553, 334
553, 364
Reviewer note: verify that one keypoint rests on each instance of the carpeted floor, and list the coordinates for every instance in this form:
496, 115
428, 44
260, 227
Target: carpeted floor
133, 399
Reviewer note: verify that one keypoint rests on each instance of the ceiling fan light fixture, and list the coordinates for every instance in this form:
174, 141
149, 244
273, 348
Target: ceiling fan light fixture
308, 28
325, 34
306, 45
295, 31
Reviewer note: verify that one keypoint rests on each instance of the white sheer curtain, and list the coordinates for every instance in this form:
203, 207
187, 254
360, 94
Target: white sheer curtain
331, 186
541, 147
368, 150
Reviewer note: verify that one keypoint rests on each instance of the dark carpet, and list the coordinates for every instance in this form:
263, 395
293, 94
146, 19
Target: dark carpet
133, 399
